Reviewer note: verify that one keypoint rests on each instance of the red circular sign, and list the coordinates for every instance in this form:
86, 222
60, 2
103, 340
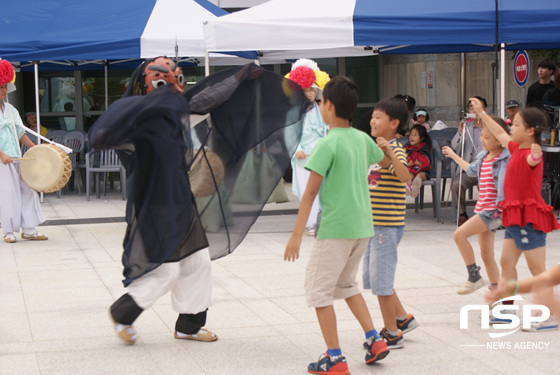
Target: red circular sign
521, 68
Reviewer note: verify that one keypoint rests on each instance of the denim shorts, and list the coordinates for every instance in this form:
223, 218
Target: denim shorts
380, 260
526, 238
492, 219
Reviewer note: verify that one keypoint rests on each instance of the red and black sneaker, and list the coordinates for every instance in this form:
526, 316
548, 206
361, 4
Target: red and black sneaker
376, 350
329, 365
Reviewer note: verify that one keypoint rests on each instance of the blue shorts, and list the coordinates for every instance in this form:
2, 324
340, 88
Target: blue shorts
492, 219
380, 260
526, 238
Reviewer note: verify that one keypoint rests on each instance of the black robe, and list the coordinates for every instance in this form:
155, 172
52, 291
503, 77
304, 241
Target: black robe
254, 127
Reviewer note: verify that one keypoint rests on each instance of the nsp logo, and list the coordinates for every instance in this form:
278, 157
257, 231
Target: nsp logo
498, 312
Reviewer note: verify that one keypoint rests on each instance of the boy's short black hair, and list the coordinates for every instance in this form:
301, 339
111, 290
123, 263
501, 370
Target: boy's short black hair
395, 108
547, 64
343, 93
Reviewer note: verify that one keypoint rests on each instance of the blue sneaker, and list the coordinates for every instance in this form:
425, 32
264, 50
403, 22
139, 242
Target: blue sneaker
328, 365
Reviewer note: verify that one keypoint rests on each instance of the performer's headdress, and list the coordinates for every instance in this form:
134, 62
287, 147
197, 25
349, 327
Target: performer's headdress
306, 73
153, 73
7, 75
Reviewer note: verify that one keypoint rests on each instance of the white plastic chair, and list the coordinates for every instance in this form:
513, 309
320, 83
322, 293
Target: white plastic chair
103, 161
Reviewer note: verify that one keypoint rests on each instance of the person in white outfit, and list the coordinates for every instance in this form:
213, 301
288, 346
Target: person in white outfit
307, 75
20, 208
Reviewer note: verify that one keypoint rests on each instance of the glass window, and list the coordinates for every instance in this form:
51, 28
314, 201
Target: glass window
365, 72
57, 93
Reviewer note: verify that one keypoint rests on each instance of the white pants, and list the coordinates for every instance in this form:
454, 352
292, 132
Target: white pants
19, 205
190, 283
302, 176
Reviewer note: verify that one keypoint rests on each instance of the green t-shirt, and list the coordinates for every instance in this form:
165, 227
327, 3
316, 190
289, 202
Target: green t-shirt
343, 158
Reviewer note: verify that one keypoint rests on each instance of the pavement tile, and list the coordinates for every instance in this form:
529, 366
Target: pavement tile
55, 296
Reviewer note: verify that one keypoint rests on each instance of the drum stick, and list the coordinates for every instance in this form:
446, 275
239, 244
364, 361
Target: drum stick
21, 159
63, 148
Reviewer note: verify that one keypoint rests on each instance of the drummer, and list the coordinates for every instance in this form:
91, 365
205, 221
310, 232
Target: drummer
19, 205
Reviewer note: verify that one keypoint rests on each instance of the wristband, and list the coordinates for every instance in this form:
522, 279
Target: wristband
516, 289
539, 159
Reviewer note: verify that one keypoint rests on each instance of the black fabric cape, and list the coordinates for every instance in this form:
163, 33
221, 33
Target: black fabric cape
254, 126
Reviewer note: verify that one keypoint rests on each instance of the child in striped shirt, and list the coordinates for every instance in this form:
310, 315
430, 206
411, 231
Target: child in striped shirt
490, 168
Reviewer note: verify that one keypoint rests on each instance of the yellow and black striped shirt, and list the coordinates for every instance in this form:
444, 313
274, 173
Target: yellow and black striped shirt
387, 192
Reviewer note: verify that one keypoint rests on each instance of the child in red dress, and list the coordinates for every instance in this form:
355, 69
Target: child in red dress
525, 215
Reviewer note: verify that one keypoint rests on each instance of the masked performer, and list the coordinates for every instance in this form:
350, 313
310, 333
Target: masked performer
174, 228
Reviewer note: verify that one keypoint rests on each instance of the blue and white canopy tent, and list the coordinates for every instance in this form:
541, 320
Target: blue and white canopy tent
107, 30
289, 29
321, 28
104, 34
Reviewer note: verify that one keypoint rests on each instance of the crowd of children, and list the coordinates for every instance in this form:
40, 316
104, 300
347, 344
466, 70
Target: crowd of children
347, 232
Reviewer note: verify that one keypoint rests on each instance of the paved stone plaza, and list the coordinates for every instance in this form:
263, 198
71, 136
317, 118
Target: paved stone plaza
54, 299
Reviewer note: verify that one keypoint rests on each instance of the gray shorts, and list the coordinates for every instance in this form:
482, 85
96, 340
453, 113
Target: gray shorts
492, 219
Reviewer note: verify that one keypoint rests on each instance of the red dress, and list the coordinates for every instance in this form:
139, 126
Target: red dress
523, 202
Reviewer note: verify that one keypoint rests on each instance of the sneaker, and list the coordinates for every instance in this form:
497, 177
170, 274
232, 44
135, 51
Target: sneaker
494, 320
328, 365
468, 287
550, 324
408, 324
376, 350
393, 342
311, 232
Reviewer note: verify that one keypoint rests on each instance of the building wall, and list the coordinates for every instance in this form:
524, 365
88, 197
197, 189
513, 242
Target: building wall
408, 74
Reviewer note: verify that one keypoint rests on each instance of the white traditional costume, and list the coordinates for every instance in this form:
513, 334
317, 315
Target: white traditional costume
306, 74
19, 205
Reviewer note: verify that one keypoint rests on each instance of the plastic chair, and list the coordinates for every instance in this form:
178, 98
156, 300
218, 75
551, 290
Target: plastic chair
103, 161
75, 139
56, 135
443, 165
443, 138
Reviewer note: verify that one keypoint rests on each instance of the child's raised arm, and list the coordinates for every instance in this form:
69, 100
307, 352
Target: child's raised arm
501, 135
448, 152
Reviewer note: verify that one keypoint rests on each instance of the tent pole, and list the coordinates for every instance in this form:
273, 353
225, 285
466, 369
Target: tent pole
206, 63
502, 80
37, 109
106, 68
463, 78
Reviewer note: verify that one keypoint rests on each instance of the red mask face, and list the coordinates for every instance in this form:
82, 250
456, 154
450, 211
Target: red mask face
162, 71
